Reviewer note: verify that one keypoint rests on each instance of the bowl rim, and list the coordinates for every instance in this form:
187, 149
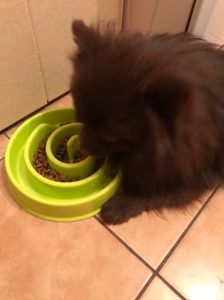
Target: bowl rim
53, 202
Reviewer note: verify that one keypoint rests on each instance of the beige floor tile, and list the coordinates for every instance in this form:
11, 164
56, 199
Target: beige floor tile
157, 290
13, 129
3, 144
66, 101
152, 236
48, 260
196, 268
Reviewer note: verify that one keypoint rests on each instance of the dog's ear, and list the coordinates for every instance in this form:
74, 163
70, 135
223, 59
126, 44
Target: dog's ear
86, 38
81, 35
79, 28
165, 94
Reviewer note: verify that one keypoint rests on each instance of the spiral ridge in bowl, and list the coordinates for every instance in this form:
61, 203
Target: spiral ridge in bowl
56, 201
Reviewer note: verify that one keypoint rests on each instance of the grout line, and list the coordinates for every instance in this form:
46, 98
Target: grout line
58, 98
37, 49
23, 119
34, 113
140, 294
156, 272
171, 287
5, 134
145, 287
184, 233
154, 14
124, 8
173, 249
190, 15
124, 244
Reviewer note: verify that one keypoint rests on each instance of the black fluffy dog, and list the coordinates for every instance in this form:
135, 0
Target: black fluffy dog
155, 105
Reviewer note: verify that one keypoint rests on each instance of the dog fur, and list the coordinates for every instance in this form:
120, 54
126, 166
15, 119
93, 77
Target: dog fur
154, 104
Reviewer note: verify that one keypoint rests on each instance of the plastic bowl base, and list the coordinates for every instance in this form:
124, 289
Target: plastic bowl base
55, 201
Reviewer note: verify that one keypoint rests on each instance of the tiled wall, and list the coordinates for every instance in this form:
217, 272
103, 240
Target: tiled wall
36, 43
157, 16
54, 39
21, 82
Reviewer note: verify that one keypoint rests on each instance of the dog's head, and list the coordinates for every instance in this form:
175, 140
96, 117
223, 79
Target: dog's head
120, 85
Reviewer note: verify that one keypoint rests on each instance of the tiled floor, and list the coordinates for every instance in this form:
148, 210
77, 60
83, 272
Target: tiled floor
176, 256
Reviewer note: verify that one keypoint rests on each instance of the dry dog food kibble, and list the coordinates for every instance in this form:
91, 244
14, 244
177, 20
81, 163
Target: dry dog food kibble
62, 154
41, 165
79, 157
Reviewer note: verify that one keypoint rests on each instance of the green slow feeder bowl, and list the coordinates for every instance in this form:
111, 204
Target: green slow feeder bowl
56, 201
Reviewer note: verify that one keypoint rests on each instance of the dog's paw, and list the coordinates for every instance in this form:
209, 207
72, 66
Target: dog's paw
113, 212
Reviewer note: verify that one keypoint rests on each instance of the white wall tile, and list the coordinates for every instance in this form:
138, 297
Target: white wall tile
110, 10
139, 14
52, 26
21, 83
